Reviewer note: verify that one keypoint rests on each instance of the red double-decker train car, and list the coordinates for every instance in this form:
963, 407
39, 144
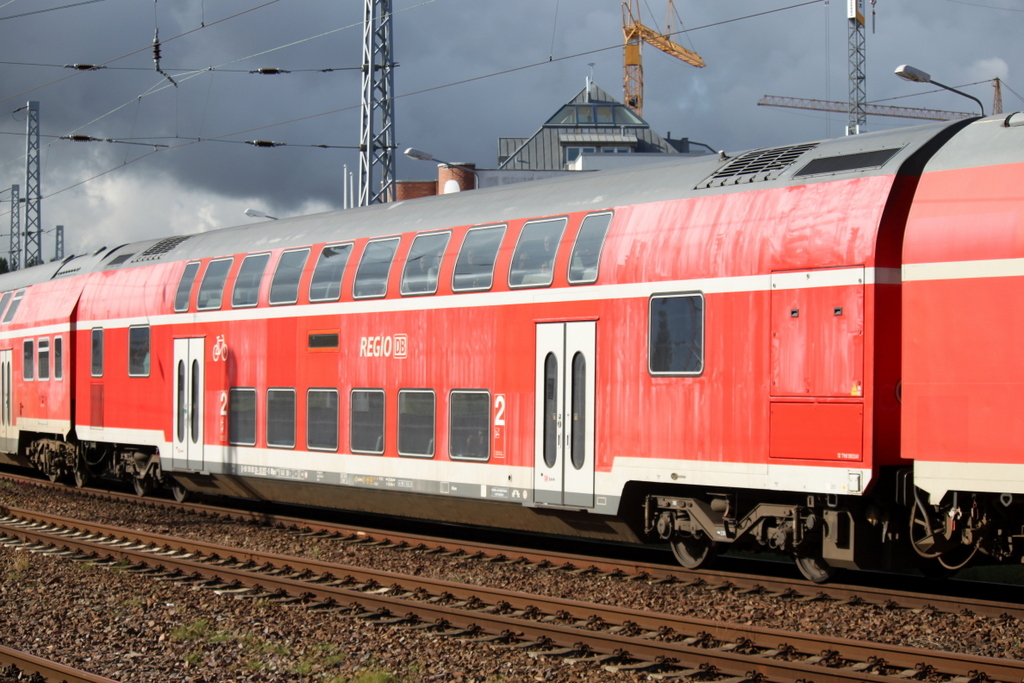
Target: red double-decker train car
810, 348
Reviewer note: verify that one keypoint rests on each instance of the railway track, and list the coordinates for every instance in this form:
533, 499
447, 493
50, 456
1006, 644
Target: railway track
668, 646
487, 552
27, 665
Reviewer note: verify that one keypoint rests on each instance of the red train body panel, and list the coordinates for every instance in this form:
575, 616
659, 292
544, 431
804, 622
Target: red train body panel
705, 352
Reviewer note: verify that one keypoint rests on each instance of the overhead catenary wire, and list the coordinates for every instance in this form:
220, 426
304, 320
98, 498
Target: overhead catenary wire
191, 141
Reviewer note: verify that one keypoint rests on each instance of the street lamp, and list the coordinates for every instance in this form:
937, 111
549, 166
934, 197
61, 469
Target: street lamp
419, 154
256, 213
909, 73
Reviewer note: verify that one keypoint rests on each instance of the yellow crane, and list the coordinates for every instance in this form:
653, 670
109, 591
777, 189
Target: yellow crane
635, 34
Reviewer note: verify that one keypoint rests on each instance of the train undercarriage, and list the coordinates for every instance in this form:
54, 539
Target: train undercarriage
895, 527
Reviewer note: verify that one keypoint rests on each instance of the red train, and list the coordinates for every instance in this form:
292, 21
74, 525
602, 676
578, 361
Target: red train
812, 348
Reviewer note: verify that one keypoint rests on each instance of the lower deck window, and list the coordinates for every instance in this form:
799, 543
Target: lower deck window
322, 419
44, 358
676, 335
368, 421
138, 351
469, 429
242, 417
281, 418
28, 359
416, 423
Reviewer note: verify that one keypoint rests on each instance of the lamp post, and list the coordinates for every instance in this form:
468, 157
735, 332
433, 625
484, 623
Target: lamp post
419, 154
909, 73
256, 213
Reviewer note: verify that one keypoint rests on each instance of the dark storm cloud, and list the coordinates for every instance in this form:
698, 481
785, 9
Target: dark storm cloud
800, 52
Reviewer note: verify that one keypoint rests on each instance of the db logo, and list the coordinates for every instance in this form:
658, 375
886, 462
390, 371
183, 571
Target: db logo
394, 346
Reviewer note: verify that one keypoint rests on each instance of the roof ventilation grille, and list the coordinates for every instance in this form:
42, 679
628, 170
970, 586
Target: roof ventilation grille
857, 161
160, 248
759, 165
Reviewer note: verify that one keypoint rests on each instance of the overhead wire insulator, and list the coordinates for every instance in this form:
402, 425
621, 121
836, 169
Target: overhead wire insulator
81, 66
77, 137
269, 71
156, 57
264, 143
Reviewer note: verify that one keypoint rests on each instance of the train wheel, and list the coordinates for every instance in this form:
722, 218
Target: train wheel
143, 486
923, 536
82, 474
180, 493
694, 552
814, 568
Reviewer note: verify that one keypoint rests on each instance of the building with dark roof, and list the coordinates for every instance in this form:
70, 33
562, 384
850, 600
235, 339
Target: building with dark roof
590, 123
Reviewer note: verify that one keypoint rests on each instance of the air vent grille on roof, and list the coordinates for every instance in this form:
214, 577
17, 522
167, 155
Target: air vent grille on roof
160, 248
848, 162
65, 271
118, 260
761, 164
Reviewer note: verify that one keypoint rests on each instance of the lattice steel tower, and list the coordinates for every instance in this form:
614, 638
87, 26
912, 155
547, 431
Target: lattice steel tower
58, 250
33, 193
14, 255
377, 127
858, 93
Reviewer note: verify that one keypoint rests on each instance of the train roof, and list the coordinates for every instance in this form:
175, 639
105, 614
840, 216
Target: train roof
883, 153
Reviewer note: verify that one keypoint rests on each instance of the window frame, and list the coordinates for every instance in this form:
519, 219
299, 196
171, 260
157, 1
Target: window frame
281, 445
337, 419
133, 372
650, 329
433, 424
298, 281
487, 428
254, 301
220, 299
40, 363
28, 360
600, 250
503, 228
362, 261
58, 357
384, 420
13, 308
96, 352
316, 267
447, 234
554, 255
232, 392
191, 285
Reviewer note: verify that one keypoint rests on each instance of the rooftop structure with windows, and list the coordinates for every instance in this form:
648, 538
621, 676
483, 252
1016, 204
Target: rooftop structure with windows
591, 123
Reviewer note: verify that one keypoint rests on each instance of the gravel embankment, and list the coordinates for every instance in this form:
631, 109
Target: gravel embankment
127, 623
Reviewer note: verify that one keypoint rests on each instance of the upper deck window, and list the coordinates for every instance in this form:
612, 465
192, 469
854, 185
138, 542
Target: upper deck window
534, 257
9, 316
3, 301
247, 284
212, 290
285, 287
184, 293
474, 270
423, 263
326, 283
586, 253
374, 267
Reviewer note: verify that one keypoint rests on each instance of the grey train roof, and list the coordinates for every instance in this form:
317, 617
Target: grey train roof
677, 177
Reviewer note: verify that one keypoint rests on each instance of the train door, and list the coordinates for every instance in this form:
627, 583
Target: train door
8, 437
188, 403
563, 471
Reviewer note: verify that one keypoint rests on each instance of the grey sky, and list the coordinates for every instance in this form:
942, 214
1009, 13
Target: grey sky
112, 193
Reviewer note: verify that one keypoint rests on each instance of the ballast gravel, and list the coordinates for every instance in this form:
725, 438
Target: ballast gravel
131, 628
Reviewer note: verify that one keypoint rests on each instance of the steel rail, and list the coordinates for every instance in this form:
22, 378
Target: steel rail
606, 629
654, 572
48, 670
